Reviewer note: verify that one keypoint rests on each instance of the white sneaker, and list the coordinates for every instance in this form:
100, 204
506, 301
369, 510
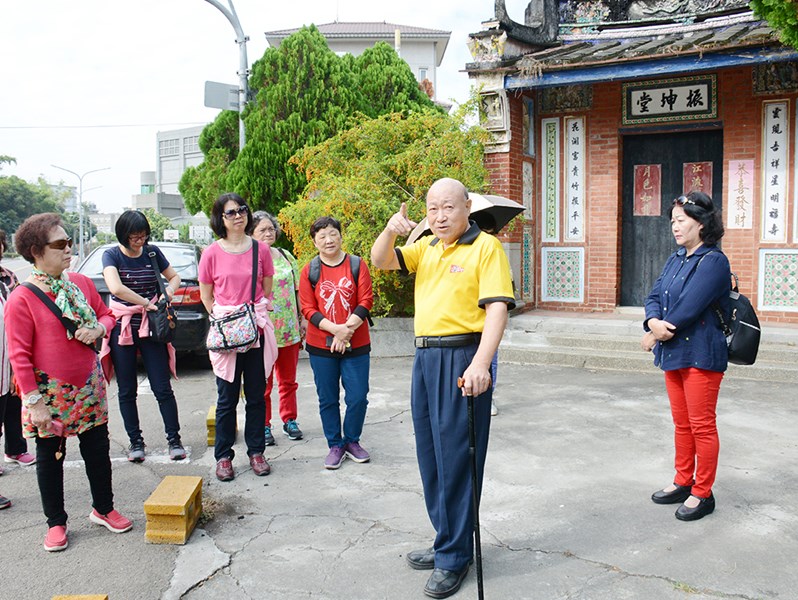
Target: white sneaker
494, 410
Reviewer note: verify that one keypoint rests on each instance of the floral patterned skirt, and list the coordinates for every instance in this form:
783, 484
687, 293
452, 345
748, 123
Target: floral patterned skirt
78, 408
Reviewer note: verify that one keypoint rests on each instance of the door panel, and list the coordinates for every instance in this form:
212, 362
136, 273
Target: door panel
646, 242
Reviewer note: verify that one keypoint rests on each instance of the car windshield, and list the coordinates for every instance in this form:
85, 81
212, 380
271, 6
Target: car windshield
182, 259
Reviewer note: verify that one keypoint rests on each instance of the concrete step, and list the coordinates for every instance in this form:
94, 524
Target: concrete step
611, 342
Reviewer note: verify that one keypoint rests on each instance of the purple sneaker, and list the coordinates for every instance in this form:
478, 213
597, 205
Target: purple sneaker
335, 457
356, 452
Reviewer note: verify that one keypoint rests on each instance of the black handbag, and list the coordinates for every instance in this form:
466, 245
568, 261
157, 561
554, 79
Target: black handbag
742, 332
163, 321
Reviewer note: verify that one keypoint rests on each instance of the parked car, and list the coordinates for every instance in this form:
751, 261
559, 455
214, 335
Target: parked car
192, 318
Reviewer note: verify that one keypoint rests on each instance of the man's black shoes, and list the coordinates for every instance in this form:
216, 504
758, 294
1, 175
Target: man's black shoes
443, 583
422, 560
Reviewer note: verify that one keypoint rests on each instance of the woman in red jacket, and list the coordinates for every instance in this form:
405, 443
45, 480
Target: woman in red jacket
336, 305
61, 398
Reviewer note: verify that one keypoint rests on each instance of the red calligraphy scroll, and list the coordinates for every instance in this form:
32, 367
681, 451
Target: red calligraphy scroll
697, 177
648, 191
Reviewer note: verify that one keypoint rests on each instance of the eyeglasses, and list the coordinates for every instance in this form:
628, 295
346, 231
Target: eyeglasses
682, 200
60, 244
233, 212
137, 238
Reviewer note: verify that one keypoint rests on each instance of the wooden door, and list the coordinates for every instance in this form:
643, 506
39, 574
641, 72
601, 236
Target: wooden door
646, 240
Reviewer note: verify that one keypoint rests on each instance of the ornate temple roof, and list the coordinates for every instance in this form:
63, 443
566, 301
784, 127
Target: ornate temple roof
593, 49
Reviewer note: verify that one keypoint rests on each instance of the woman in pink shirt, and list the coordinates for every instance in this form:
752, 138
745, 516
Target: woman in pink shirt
225, 278
61, 397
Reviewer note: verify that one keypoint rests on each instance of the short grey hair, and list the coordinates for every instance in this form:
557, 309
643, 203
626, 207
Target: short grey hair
259, 215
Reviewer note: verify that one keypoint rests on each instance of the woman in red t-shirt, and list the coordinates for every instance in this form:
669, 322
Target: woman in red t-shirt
336, 306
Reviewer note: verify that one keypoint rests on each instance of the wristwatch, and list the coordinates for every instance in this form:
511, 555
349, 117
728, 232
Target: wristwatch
32, 400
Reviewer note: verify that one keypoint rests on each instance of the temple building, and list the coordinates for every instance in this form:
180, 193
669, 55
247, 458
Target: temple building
601, 113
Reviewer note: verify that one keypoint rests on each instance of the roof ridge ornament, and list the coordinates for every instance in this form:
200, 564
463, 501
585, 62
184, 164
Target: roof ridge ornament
541, 22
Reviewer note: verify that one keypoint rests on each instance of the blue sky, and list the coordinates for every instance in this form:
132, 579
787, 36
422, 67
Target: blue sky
87, 84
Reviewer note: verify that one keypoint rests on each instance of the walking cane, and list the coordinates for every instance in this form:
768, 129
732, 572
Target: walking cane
472, 453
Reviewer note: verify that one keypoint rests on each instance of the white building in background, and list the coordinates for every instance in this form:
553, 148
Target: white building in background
422, 49
177, 150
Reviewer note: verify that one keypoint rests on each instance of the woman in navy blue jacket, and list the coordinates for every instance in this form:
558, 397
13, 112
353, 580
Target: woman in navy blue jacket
684, 332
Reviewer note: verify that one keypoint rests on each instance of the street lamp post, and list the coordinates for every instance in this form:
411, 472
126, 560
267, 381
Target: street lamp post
243, 66
80, 202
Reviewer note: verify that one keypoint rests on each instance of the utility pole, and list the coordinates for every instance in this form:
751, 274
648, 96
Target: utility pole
243, 66
80, 202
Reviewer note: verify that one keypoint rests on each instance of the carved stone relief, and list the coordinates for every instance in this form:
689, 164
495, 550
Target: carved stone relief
567, 98
775, 78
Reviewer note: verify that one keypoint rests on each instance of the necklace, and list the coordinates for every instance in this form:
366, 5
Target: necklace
236, 247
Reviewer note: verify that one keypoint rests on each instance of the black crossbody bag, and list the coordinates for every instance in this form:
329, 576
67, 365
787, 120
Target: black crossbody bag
69, 325
163, 321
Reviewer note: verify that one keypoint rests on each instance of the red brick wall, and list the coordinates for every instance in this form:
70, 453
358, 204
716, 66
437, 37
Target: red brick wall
740, 113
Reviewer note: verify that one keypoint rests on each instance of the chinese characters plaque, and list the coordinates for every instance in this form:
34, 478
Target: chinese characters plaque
648, 191
741, 194
775, 152
680, 99
574, 197
697, 177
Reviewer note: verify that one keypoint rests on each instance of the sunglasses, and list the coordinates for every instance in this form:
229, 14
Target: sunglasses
60, 244
682, 200
233, 212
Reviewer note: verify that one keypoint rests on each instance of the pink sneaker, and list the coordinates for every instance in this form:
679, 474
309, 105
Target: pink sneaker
25, 459
56, 539
113, 521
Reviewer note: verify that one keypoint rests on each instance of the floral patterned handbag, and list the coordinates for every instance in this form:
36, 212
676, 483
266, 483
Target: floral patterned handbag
238, 330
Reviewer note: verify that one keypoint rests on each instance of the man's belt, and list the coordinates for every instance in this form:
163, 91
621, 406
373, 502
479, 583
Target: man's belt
448, 341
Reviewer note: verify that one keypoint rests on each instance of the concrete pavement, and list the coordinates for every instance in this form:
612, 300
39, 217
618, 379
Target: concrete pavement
574, 456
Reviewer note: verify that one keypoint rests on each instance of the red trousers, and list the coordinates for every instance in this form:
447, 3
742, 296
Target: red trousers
693, 394
285, 369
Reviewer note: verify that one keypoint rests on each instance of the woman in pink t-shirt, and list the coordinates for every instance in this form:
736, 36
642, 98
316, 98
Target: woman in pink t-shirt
225, 277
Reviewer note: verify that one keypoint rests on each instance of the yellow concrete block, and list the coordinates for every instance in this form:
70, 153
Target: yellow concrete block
210, 422
173, 509
82, 597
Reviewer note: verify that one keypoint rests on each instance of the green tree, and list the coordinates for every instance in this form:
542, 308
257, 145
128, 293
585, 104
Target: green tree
20, 199
362, 175
158, 223
782, 15
305, 95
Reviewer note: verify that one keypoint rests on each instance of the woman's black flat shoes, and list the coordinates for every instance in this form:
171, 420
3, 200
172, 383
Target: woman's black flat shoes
705, 507
680, 494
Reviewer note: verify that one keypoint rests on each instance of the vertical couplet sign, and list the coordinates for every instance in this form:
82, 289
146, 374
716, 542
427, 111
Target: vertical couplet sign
574, 196
648, 191
775, 150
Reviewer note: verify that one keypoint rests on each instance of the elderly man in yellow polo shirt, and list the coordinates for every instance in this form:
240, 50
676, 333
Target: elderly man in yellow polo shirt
463, 291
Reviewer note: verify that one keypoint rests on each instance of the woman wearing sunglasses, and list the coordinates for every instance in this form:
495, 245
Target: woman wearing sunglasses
61, 397
685, 335
130, 278
225, 277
